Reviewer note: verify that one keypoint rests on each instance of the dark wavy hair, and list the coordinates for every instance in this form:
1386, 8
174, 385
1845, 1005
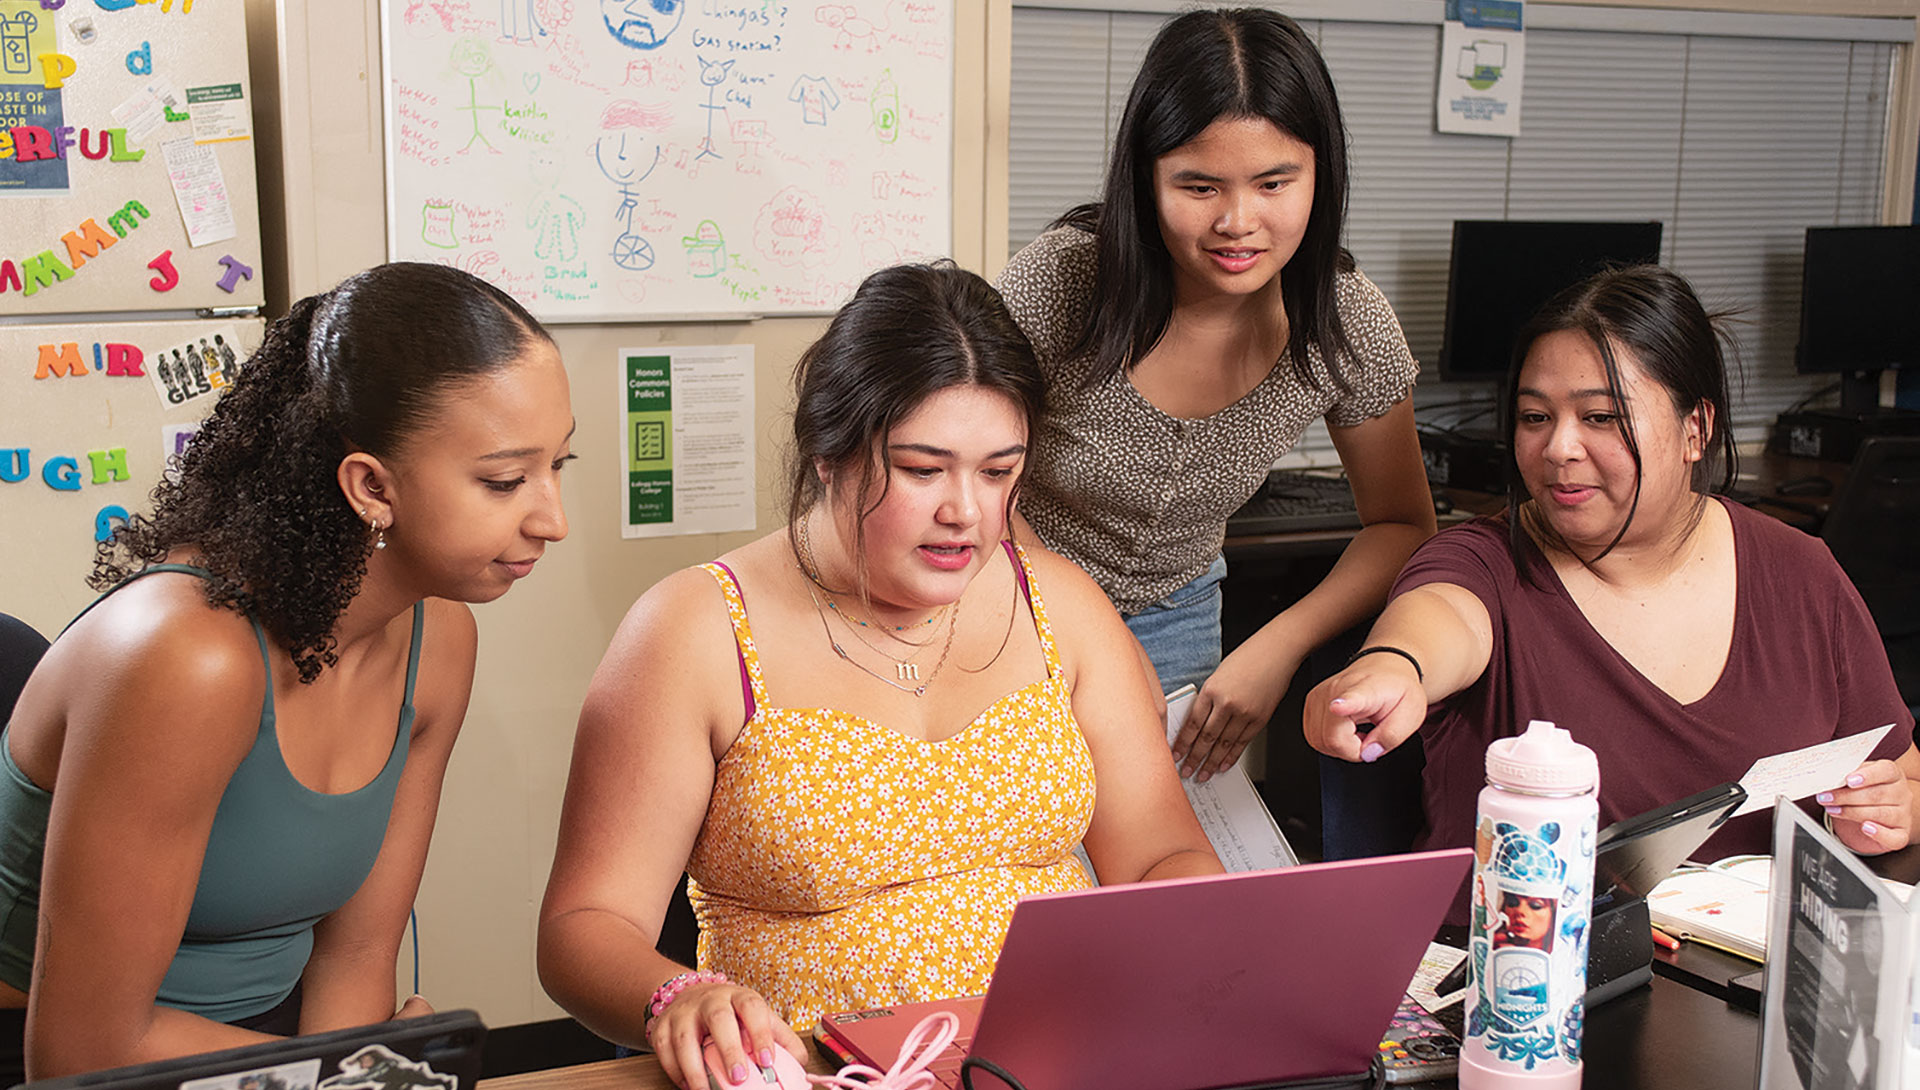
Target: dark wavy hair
1653, 315
909, 332
1205, 66
256, 492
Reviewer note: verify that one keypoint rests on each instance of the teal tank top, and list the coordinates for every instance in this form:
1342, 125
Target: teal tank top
279, 858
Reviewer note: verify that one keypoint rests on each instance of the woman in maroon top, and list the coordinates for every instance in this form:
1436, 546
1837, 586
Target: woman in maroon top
1678, 635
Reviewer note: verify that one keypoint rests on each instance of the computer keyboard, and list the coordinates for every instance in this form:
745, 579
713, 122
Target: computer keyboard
1295, 502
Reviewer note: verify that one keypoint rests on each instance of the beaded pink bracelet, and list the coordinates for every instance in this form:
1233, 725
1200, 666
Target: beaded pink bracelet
670, 991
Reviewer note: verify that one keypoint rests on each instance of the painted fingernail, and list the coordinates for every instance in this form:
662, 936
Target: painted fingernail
738, 1074
1834, 810
1856, 780
1824, 797
765, 1057
1371, 752
1869, 828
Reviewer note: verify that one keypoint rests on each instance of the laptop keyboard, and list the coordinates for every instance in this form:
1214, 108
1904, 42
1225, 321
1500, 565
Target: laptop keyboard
945, 1067
1295, 502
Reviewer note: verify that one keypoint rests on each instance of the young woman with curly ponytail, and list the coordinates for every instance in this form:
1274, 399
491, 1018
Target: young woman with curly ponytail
217, 789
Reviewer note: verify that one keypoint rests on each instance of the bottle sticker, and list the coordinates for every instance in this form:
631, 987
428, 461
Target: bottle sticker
1530, 901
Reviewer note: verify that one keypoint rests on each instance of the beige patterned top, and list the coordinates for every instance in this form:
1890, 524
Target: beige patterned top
844, 865
1138, 498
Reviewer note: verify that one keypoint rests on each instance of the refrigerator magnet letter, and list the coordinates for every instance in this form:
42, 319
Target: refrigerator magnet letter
164, 266
60, 360
56, 69
14, 463
139, 61
124, 359
61, 473
236, 272
43, 270
109, 465
104, 522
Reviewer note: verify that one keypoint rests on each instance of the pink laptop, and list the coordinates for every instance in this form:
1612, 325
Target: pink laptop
1240, 980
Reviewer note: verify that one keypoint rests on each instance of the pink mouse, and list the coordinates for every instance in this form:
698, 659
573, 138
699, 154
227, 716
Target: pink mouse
785, 1074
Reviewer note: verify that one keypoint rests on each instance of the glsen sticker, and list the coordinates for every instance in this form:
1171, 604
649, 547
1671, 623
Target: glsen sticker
207, 364
377, 1067
299, 1075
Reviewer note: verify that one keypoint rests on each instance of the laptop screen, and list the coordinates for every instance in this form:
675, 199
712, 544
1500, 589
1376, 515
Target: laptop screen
1231, 980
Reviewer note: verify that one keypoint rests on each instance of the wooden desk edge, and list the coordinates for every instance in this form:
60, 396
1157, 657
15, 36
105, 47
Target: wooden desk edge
631, 1073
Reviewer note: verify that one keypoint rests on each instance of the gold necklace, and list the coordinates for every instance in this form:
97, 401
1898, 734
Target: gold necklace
803, 556
906, 671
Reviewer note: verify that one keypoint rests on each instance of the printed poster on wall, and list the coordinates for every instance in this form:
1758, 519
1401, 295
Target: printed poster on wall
686, 440
32, 161
1482, 60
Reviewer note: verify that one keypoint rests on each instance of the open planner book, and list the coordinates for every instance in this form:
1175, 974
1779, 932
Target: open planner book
1726, 904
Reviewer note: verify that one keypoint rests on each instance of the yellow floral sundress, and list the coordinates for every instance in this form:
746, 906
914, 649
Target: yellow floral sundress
844, 865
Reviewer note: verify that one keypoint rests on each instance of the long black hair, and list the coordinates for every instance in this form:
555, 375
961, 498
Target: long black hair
256, 492
1202, 67
1653, 315
909, 332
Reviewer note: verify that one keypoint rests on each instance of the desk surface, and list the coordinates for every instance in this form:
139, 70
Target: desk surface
1663, 1036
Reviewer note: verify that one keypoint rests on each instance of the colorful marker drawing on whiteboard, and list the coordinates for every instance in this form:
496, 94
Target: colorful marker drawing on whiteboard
749, 136
436, 225
471, 59
852, 28
712, 75
885, 100
620, 155
556, 219
793, 229
519, 22
706, 250
642, 24
816, 96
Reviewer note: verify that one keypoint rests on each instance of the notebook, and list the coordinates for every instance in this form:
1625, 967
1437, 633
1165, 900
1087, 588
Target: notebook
437, 1052
1261, 978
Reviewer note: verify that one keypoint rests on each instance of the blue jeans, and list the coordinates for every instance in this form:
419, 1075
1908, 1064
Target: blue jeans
1182, 631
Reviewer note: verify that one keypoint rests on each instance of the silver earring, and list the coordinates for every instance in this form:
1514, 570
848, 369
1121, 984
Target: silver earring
379, 536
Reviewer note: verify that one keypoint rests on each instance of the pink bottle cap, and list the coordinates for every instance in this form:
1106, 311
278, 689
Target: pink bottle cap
1544, 759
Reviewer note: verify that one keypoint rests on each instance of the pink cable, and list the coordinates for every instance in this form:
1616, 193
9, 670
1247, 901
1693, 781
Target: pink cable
923, 1046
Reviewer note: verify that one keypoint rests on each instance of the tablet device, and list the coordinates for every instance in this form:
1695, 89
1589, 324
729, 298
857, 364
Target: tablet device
1635, 854
437, 1052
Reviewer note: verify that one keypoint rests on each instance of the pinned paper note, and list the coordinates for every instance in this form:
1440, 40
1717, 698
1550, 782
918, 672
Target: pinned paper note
219, 113
145, 110
1804, 772
200, 191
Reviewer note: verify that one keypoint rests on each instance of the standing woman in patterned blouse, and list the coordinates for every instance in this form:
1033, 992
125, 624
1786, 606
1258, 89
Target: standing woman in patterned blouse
863, 736
1190, 328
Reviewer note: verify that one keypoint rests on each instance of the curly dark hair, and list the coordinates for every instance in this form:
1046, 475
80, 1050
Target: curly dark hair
256, 494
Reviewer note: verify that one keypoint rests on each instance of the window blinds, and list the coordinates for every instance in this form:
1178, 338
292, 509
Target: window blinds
1736, 142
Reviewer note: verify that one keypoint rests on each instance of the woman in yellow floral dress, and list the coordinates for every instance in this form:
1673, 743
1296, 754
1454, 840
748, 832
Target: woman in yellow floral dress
864, 736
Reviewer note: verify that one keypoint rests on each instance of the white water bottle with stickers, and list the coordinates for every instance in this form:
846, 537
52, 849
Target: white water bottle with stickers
1531, 899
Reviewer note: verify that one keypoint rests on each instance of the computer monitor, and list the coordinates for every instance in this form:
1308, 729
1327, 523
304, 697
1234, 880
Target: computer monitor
1857, 306
1503, 270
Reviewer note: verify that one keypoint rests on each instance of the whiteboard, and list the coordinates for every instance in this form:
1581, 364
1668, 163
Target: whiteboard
136, 69
621, 160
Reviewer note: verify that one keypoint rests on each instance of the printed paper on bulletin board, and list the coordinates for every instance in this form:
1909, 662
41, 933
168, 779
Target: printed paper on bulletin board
633, 159
115, 192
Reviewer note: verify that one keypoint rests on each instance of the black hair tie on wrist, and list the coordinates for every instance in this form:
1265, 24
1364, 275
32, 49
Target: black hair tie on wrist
1418, 674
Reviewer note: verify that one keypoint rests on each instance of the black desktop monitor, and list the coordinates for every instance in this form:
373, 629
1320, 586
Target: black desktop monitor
1503, 270
1859, 306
